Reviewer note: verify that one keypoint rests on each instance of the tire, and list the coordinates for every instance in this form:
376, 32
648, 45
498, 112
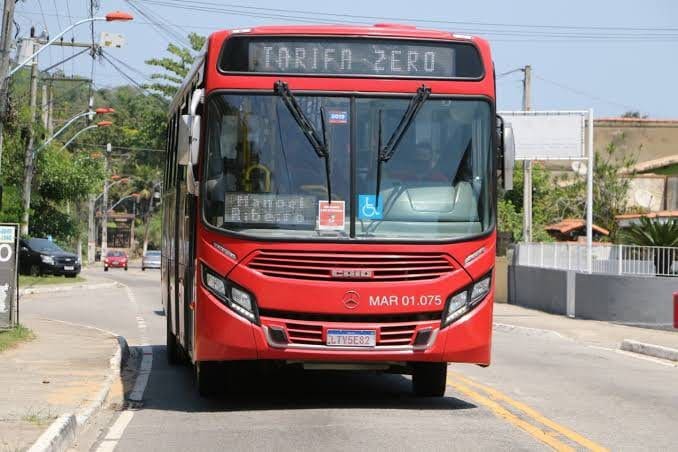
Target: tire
125, 267
105, 269
34, 270
429, 379
172, 349
143, 269
207, 378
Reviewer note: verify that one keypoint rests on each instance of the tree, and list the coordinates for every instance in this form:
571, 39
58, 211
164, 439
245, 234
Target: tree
655, 233
633, 114
146, 184
175, 67
557, 198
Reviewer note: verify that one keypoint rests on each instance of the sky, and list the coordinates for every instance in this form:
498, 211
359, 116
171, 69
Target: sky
612, 56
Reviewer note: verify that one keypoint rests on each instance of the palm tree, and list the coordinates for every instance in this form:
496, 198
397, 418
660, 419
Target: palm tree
653, 232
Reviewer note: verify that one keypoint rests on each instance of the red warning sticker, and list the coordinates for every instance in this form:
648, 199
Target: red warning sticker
331, 215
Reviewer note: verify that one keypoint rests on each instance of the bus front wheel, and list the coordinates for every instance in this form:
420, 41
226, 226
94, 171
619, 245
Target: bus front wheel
429, 379
206, 377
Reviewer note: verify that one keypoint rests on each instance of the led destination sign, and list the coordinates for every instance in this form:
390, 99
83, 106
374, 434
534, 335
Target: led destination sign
352, 56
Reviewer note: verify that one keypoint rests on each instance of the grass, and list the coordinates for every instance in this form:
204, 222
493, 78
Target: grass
29, 281
39, 418
10, 338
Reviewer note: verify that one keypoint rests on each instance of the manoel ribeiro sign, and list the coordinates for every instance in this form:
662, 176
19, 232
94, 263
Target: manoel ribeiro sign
9, 248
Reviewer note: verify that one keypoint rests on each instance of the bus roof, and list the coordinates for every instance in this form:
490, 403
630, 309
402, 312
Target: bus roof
381, 29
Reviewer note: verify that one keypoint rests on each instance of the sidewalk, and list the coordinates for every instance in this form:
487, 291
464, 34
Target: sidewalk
61, 371
591, 332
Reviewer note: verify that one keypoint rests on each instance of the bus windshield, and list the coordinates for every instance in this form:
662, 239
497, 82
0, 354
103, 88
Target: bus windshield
264, 179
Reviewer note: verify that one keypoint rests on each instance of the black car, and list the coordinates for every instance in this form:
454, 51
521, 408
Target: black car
44, 257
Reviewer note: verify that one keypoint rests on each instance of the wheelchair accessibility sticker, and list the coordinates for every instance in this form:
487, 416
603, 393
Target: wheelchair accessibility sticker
369, 208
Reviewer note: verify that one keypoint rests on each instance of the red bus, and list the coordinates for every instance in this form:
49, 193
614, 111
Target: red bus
330, 200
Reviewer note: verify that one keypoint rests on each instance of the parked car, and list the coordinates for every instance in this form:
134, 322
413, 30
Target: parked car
43, 257
151, 260
115, 259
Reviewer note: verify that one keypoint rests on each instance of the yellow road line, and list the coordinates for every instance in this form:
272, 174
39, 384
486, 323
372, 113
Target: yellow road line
528, 411
502, 412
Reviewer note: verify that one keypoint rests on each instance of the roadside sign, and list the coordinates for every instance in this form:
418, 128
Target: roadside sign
111, 40
547, 135
9, 248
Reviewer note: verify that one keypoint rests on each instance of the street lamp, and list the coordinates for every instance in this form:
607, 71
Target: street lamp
90, 113
110, 17
93, 126
131, 195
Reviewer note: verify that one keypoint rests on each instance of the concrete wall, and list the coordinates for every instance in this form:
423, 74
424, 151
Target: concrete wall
501, 280
625, 299
641, 139
538, 288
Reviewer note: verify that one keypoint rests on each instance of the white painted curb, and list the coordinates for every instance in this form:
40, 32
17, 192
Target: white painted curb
58, 437
656, 351
57, 288
61, 434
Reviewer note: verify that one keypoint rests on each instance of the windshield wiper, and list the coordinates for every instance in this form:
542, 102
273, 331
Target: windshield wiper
386, 153
320, 143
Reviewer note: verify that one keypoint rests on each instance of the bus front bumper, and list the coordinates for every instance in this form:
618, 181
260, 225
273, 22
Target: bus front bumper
223, 335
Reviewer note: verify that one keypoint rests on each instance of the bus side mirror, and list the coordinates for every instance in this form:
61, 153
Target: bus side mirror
184, 140
506, 152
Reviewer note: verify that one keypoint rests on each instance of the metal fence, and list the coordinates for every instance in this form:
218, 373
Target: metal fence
607, 258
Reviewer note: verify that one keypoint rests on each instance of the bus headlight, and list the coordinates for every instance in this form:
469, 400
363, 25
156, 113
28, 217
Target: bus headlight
234, 297
463, 301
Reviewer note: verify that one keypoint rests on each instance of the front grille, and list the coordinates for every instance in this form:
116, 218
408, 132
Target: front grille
64, 260
310, 265
300, 333
312, 334
309, 329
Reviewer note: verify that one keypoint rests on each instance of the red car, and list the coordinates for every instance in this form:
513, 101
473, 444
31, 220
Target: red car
115, 259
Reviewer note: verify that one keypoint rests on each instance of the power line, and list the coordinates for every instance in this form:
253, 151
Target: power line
42, 13
141, 88
497, 35
504, 74
159, 24
584, 93
280, 13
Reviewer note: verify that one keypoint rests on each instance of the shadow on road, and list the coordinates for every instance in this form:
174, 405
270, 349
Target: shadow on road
171, 388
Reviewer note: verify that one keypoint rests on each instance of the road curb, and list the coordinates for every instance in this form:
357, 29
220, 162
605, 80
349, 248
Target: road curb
58, 436
507, 328
65, 288
656, 351
61, 434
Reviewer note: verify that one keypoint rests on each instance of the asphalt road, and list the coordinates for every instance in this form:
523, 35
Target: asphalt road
542, 392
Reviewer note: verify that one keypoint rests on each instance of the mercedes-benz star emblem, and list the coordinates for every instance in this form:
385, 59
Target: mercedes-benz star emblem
351, 299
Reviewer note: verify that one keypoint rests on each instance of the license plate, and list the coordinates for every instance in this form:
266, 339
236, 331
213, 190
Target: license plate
69, 268
352, 338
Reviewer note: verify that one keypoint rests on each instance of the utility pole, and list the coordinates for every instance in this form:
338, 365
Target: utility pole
28, 160
5, 47
50, 111
104, 205
91, 231
527, 164
44, 107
